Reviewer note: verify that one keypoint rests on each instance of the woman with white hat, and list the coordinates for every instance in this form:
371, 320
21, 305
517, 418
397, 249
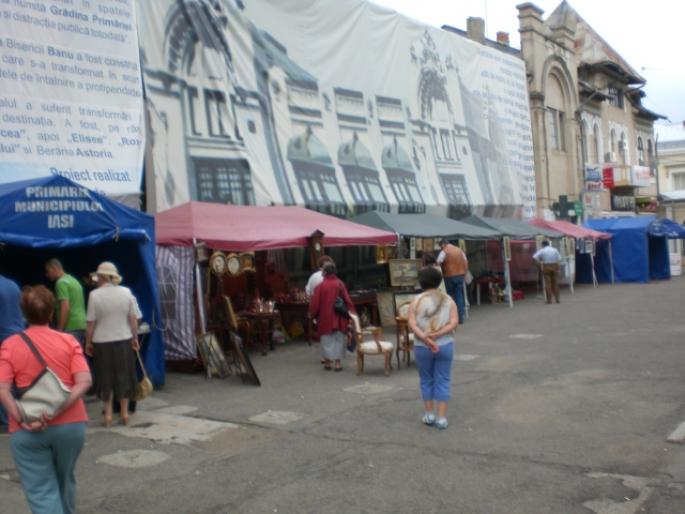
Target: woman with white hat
112, 339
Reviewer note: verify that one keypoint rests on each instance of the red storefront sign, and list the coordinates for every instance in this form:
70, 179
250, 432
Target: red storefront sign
608, 177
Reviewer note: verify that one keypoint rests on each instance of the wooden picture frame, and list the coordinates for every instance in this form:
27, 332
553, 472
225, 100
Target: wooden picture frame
247, 262
401, 299
428, 244
382, 254
217, 264
404, 272
212, 356
230, 314
233, 265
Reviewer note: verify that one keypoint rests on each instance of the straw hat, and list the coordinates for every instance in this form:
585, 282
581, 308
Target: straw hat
108, 269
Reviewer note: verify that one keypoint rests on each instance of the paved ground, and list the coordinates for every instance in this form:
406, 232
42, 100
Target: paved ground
556, 409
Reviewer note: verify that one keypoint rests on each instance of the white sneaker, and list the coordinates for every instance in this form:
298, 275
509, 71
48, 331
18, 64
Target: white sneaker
428, 418
441, 423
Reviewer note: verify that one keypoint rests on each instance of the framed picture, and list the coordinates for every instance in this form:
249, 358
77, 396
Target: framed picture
247, 262
217, 263
412, 248
401, 302
570, 246
233, 264
428, 245
589, 247
212, 356
506, 245
404, 272
382, 254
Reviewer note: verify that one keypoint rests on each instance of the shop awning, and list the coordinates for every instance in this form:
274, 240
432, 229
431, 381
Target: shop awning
425, 225
516, 229
570, 229
250, 228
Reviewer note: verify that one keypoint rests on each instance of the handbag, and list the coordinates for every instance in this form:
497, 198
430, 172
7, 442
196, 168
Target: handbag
45, 395
145, 386
339, 306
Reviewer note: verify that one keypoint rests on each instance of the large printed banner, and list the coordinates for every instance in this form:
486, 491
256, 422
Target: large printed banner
341, 106
71, 93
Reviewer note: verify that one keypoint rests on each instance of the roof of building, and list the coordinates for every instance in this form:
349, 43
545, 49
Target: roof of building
488, 42
591, 47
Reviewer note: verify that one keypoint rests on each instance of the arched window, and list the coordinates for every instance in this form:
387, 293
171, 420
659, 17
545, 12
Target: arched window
583, 140
555, 115
640, 152
622, 150
612, 146
595, 143
650, 153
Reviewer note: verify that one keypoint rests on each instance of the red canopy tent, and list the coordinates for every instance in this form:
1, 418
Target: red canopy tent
570, 229
250, 228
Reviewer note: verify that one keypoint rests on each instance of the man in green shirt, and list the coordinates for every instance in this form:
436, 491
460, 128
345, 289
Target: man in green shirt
70, 309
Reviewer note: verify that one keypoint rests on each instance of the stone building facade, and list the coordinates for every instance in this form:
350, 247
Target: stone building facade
593, 138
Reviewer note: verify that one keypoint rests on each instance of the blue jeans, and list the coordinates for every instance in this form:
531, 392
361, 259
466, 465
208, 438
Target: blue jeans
455, 288
435, 372
45, 462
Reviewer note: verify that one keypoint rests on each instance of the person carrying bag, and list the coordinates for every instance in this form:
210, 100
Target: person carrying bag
48, 419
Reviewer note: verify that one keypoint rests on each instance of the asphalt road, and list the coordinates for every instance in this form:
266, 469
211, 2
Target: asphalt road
556, 409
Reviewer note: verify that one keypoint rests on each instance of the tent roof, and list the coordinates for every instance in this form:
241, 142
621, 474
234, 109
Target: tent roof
54, 212
424, 225
516, 229
570, 229
662, 227
668, 228
249, 228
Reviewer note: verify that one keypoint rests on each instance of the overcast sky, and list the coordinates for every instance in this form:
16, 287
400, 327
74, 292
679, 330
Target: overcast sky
650, 38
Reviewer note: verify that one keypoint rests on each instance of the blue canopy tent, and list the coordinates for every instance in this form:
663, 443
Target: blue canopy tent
640, 249
55, 217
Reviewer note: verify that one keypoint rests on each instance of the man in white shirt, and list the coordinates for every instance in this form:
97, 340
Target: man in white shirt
317, 277
549, 258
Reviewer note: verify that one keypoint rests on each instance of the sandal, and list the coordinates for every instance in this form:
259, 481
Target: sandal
107, 421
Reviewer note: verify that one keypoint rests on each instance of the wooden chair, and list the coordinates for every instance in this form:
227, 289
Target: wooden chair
374, 347
405, 338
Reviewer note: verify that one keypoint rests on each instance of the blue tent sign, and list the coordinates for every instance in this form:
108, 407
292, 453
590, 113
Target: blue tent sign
56, 213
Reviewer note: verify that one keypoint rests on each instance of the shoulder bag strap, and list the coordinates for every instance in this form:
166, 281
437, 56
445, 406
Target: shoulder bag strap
33, 349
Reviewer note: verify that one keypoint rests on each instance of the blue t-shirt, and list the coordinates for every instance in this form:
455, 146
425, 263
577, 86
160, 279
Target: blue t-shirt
11, 319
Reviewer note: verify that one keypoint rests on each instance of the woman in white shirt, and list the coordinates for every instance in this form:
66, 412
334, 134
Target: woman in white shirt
112, 339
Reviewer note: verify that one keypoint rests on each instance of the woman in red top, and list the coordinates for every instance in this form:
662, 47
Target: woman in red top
332, 326
45, 451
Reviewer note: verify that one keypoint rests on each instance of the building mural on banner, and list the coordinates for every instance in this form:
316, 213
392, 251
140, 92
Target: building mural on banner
71, 99
364, 109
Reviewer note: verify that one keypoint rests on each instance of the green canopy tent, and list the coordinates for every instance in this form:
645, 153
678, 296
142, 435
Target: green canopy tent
425, 225
516, 230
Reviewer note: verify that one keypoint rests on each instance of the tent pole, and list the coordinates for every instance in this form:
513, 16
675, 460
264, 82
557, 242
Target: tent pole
594, 273
611, 261
571, 269
199, 293
507, 278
